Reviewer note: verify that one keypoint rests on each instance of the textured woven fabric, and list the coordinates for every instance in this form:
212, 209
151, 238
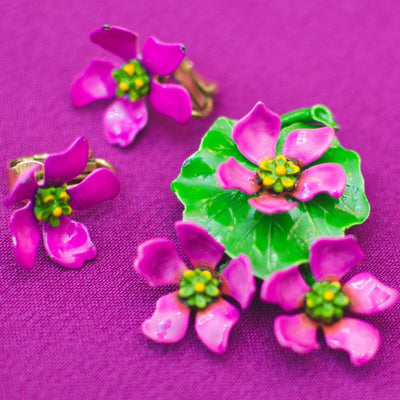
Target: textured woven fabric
67, 334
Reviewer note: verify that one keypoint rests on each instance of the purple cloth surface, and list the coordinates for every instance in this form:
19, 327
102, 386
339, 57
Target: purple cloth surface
75, 334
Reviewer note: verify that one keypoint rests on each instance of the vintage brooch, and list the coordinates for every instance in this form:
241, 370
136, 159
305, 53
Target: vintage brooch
269, 186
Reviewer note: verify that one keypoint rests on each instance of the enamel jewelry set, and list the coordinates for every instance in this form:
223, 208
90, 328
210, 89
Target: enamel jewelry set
266, 197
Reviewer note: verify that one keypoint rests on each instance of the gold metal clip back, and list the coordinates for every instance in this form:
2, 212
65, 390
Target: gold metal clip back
200, 90
18, 165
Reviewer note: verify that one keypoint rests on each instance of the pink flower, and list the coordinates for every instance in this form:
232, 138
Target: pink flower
66, 241
256, 137
325, 303
131, 82
201, 288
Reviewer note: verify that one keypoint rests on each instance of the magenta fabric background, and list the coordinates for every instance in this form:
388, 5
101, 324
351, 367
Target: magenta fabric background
76, 334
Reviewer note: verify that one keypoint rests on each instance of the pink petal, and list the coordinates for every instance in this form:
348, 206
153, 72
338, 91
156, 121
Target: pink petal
286, 288
256, 133
162, 58
198, 245
297, 332
102, 184
68, 244
368, 295
95, 83
159, 262
24, 187
25, 235
123, 120
67, 164
239, 281
119, 41
322, 178
169, 322
232, 175
171, 100
271, 204
213, 325
332, 258
308, 145
360, 339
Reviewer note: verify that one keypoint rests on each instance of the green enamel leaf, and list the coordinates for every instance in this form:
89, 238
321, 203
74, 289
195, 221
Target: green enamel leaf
318, 114
273, 242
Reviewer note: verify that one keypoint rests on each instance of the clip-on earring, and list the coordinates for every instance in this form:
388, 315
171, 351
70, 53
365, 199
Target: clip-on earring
52, 185
141, 76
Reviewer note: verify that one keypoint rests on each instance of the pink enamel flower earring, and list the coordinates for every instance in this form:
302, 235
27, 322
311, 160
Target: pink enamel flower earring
141, 76
52, 186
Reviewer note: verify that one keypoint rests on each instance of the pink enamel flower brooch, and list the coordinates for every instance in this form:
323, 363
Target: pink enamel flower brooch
204, 287
280, 173
281, 190
326, 301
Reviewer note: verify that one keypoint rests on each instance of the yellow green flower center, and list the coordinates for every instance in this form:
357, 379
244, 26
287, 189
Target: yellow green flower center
133, 80
50, 204
326, 302
279, 174
199, 288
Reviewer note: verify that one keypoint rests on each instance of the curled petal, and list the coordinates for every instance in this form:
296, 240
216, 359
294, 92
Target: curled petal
66, 165
169, 322
171, 100
308, 145
232, 175
24, 187
198, 245
269, 204
162, 58
118, 41
123, 120
213, 325
359, 338
159, 262
297, 332
102, 184
25, 235
368, 295
322, 178
68, 244
256, 133
95, 83
333, 258
285, 288
239, 280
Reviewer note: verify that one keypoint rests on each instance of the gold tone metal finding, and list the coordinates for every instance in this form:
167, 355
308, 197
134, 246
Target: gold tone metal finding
18, 165
200, 90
